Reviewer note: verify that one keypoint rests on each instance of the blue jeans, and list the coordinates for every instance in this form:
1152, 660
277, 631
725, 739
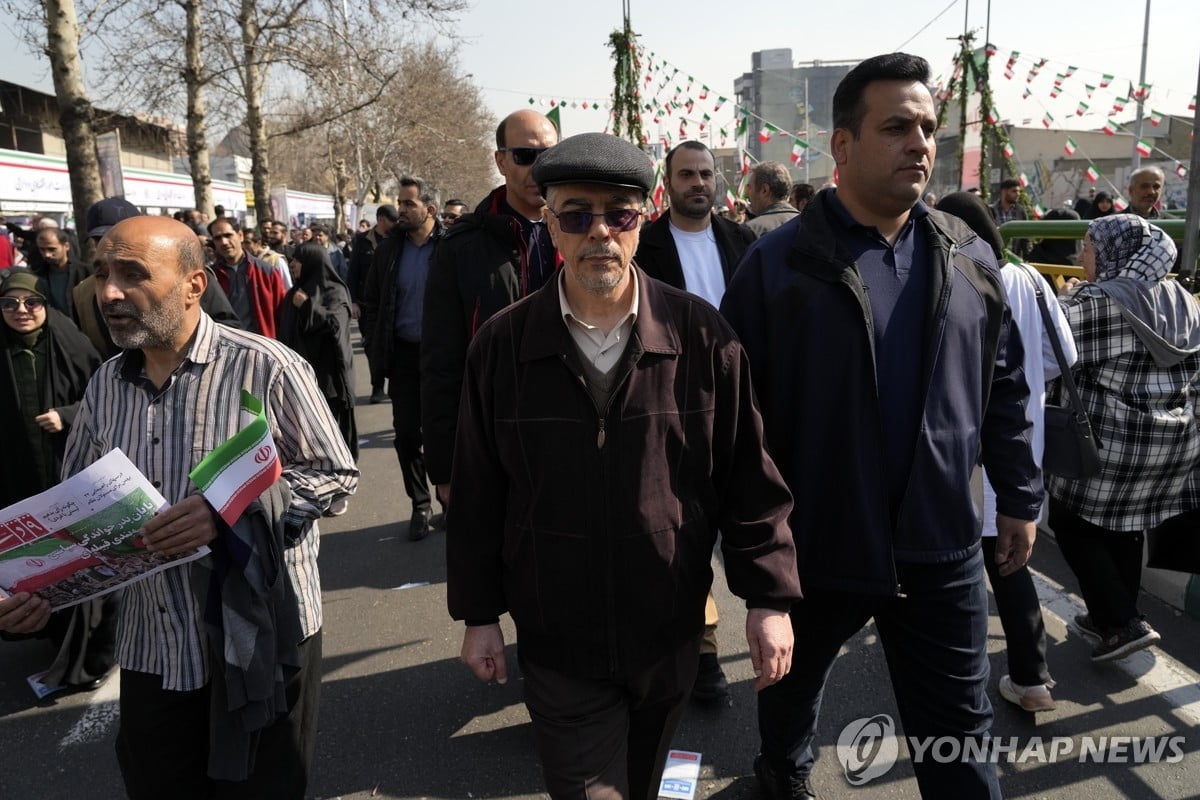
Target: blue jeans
935, 641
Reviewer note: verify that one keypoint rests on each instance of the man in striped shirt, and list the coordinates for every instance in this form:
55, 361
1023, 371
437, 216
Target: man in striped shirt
167, 402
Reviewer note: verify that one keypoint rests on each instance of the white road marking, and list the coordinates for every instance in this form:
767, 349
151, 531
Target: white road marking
100, 716
1152, 668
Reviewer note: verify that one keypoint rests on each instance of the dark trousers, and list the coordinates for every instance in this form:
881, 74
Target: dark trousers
608, 739
1107, 564
162, 740
404, 387
377, 370
1020, 613
935, 641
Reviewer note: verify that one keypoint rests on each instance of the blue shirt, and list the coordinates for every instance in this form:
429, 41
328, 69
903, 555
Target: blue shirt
896, 277
412, 270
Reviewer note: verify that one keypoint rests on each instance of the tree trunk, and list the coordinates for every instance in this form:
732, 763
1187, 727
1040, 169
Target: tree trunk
197, 125
74, 108
256, 126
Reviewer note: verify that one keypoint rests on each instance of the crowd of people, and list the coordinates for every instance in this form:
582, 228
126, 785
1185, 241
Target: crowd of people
554, 338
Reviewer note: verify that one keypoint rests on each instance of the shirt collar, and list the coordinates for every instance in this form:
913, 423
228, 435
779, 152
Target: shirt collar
568, 314
842, 215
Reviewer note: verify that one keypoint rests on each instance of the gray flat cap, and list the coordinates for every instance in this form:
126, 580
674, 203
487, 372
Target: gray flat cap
594, 158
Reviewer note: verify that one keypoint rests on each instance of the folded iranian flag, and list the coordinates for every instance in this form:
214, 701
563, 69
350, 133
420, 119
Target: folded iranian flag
238, 471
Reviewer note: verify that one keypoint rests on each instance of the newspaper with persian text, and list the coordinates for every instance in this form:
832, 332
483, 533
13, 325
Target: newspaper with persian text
81, 539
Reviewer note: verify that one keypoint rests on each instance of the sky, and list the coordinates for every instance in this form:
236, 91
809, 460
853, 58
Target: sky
517, 49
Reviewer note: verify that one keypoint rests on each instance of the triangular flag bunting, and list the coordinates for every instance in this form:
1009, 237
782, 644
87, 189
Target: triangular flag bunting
1023, 179
1143, 148
1082, 109
1105, 80
1092, 174
1110, 128
1047, 120
1007, 150
1070, 147
1156, 118
1180, 169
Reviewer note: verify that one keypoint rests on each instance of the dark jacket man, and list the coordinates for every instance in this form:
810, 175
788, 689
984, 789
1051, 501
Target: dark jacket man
813, 358
479, 268
567, 565
659, 257
378, 299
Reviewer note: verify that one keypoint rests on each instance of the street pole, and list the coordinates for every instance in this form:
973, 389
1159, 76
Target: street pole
1187, 262
808, 128
1141, 95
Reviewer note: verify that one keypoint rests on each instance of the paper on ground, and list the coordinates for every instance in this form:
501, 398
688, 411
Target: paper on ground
681, 775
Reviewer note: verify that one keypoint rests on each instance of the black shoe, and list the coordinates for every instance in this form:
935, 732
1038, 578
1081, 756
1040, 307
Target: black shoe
379, 397
418, 526
781, 786
710, 680
1120, 642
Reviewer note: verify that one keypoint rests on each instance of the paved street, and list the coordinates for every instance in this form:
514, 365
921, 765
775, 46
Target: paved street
401, 718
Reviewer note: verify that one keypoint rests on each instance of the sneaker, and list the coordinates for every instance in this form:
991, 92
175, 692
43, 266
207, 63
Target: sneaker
1087, 627
338, 507
1030, 698
379, 397
710, 680
1120, 642
779, 785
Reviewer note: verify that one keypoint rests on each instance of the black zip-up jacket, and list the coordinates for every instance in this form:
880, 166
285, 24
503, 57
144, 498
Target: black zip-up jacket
802, 312
378, 300
476, 272
594, 527
658, 255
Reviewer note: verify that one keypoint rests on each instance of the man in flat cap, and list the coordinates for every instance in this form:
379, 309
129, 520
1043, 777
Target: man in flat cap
607, 431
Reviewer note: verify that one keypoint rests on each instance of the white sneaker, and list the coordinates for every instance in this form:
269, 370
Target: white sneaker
338, 507
1030, 698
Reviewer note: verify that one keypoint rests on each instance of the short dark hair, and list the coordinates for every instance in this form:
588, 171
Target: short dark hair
217, 221
425, 193
318, 227
774, 176
219, 210
690, 144
803, 191
848, 106
1010, 183
454, 201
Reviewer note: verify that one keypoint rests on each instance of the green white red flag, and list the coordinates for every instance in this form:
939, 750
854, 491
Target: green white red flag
1083, 107
798, 148
1047, 120
1180, 169
1007, 150
1110, 128
730, 200
1105, 80
238, 471
1143, 148
1092, 174
1023, 179
1156, 118
1070, 147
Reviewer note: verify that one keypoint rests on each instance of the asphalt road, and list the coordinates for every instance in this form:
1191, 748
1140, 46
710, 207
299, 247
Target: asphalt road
402, 718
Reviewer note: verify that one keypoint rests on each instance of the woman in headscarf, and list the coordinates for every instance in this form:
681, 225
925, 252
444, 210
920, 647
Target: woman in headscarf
44, 368
1028, 682
315, 322
1138, 337
1102, 206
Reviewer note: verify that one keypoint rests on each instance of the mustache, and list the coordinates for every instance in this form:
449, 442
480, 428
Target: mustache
122, 307
600, 250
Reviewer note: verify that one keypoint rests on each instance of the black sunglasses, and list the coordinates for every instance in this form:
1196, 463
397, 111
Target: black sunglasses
617, 219
11, 304
523, 156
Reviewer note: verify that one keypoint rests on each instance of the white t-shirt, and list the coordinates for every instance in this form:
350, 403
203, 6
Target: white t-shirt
701, 262
1040, 365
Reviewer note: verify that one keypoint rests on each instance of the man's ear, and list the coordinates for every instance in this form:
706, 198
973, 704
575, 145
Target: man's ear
839, 145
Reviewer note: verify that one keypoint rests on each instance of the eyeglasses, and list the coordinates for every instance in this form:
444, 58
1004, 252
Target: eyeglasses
523, 156
450, 216
9, 305
617, 219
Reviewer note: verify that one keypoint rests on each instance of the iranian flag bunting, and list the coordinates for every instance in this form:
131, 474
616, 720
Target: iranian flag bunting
1105, 80
1070, 147
1110, 128
1038, 211
1143, 148
1142, 92
1192, 105
1070, 71
1083, 107
992, 119
1092, 174
764, 135
798, 148
720, 102
1156, 118
1180, 169
1023, 179
730, 200
740, 124
1119, 203
1119, 104
238, 471
1089, 89
1047, 120
1007, 150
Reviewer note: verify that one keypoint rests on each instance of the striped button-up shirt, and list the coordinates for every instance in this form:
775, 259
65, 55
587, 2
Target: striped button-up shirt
167, 430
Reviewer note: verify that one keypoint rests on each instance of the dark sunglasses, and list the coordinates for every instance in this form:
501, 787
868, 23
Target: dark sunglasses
523, 156
11, 304
617, 219
449, 215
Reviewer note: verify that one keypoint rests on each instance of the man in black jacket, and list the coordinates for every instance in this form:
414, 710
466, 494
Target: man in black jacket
882, 355
365, 245
692, 248
392, 304
489, 259
60, 268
